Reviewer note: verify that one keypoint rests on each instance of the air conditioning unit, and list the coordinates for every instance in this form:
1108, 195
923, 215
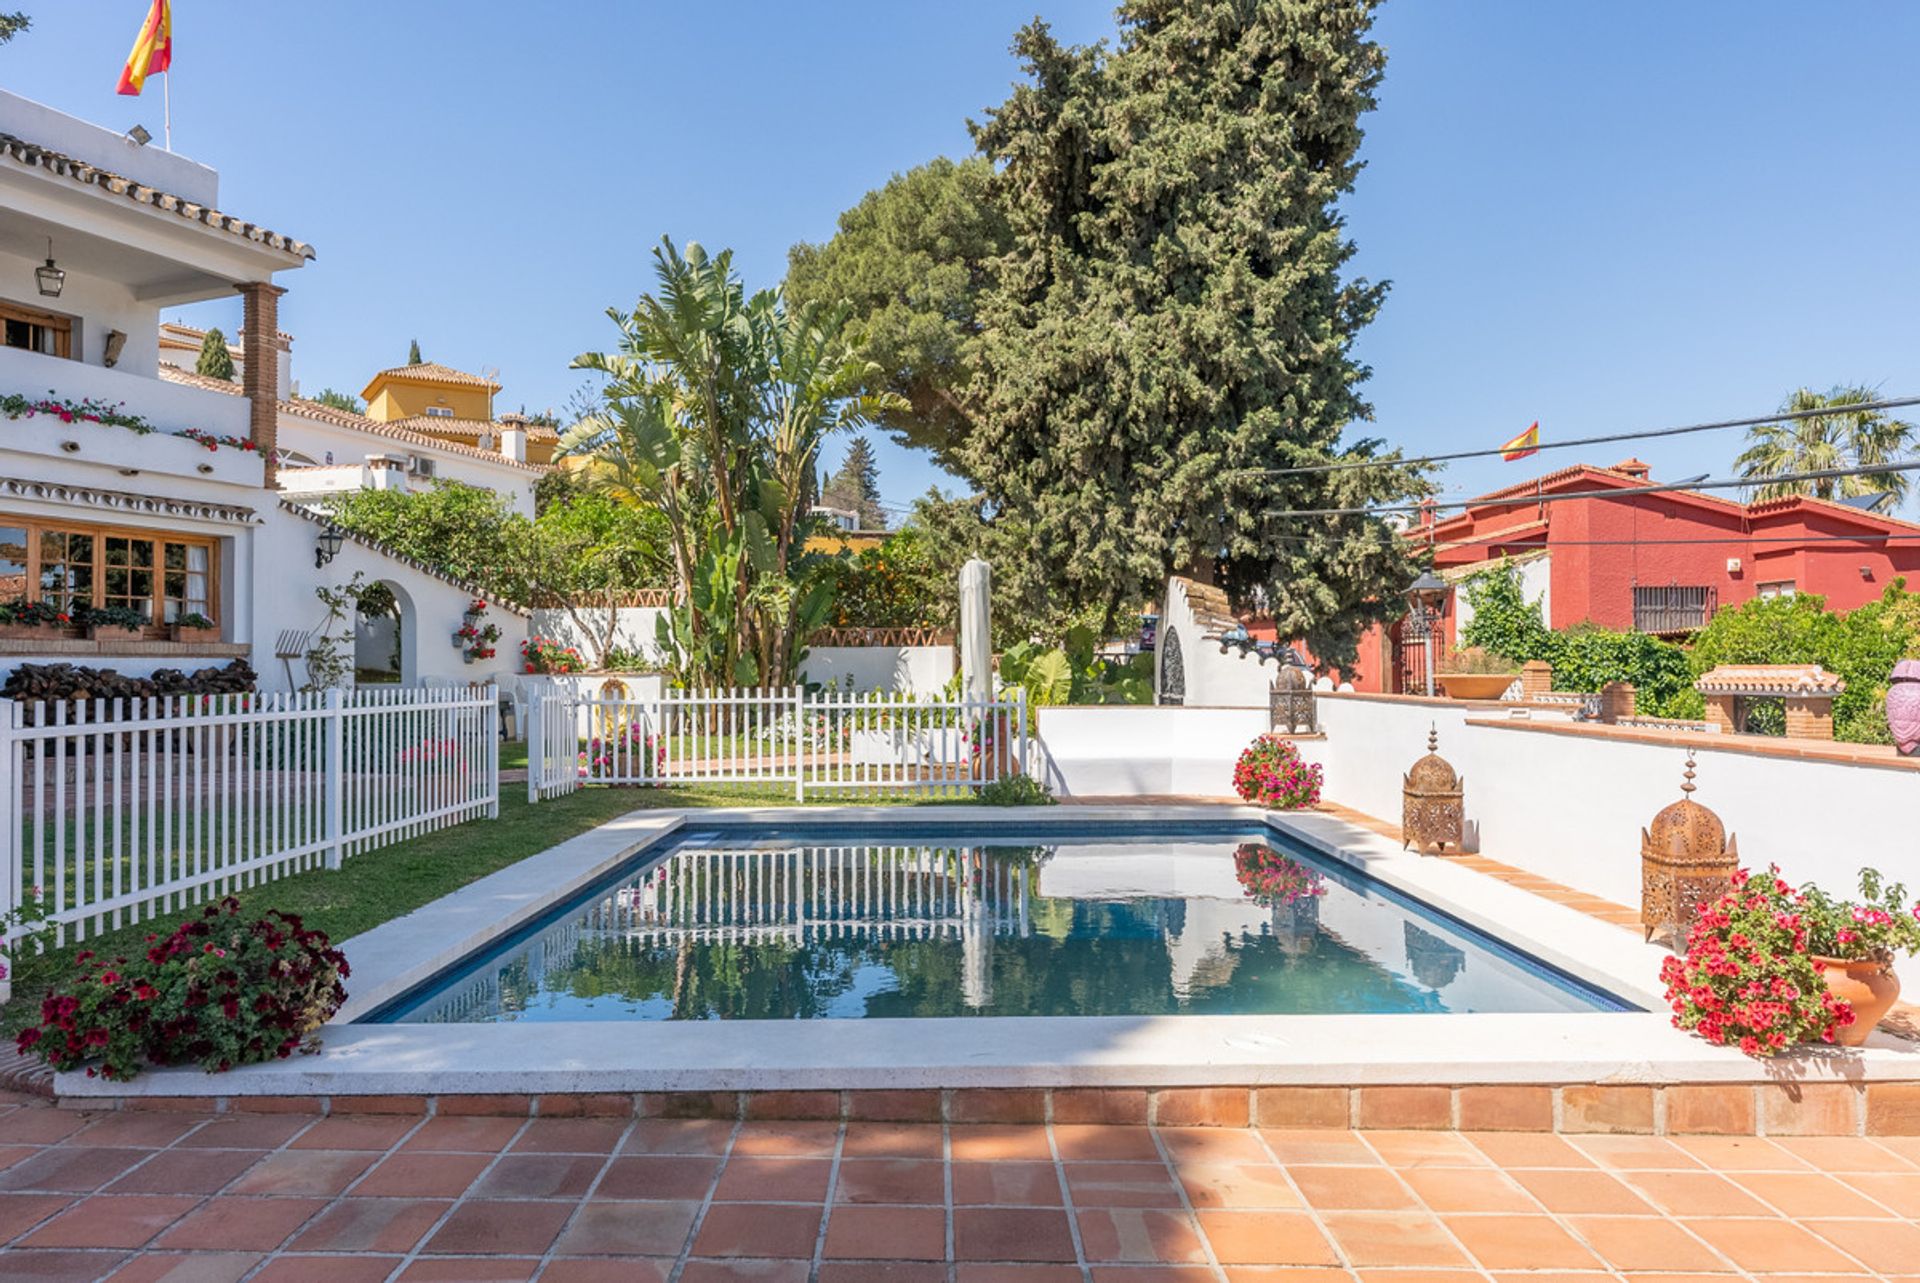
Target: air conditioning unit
420, 467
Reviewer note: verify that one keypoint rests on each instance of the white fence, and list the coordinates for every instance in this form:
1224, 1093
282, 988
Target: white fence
120, 810
832, 740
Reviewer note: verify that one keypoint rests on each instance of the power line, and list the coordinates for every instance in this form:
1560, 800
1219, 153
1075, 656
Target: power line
1718, 425
1536, 540
1541, 497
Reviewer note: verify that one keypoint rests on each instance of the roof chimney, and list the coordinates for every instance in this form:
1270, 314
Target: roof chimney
513, 437
1634, 468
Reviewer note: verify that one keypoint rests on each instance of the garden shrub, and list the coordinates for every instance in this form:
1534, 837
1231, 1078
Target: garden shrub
1272, 773
217, 992
1014, 790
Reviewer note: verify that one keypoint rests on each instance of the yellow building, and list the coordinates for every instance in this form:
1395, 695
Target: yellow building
440, 401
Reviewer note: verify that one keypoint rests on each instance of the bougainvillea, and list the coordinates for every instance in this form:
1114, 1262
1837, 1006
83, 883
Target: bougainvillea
1272, 773
538, 655
1273, 880
217, 992
1748, 979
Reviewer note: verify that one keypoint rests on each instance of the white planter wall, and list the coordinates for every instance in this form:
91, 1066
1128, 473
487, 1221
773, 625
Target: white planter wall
909, 670
635, 628
1133, 751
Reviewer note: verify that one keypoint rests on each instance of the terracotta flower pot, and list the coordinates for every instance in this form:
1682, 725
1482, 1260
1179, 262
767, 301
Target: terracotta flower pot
1868, 985
1475, 685
1903, 706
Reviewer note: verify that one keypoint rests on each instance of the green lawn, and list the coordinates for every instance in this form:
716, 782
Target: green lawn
397, 879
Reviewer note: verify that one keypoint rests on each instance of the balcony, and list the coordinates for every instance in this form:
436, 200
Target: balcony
168, 407
1671, 610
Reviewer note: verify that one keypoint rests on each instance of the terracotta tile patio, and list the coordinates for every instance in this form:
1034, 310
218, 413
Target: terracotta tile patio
236, 1196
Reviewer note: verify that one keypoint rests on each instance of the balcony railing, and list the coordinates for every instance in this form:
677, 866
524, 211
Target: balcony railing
1672, 609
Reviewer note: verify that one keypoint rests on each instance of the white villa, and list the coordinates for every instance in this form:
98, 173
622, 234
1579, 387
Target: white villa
200, 502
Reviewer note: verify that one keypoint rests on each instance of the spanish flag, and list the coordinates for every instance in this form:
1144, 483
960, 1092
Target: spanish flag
1522, 446
152, 50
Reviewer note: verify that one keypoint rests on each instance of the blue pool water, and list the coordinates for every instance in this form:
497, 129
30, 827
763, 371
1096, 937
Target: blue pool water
824, 925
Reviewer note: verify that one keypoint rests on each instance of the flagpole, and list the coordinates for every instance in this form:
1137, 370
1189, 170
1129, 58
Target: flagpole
166, 110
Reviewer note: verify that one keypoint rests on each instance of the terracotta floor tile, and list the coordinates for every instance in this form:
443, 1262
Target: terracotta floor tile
1809, 1194
1121, 1185
1139, 1235
1897, 1191
894, 1140
186, 1267
1836, 1154
75, 1171
326, 1269
758, 1229
886, 1233
1741, 1154
187, 1171
570, 1136
1266, 1238
1285, 1274
21, 1212
11, 1154
1238, 1185
1425, 1149
882, 1272
1459, 1189
1433, 1276
464, 1133
107, 1220
1645, 1243
628, 1229
469, 1270
319, 1173
540, 1176
1772, 1245
422, 1175
241, 1224
974, 1272
753, 1179
787, 1140
1884, 1246
1566, 1190
1694, 1194
1213, 1145
663, 1176
245, 1131
1351, 1188
356, 1131
1527, 1149
744, 1271
1393, 1238
1519, 1243
1011, 1234
1309, 1146
1087, 1143
370, 1225
1154, 1274
993, 1142
483, 1227
891, 1180
1636, 1153
1016, 1184
709, 1136
41, 1126
136, 1130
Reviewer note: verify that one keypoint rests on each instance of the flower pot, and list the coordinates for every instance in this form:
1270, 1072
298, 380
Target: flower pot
113, 632
468, 657
1475, 685
183, 633
1903, 707
28, 632
459, 642
1868, 985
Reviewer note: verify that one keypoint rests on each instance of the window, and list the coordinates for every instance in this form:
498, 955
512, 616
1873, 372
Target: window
1674, 608
1778, 588
439, 412
35, 331
69, 566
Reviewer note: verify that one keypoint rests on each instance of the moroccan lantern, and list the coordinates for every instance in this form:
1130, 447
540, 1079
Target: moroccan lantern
1432, 806
1903, 706
1687, 861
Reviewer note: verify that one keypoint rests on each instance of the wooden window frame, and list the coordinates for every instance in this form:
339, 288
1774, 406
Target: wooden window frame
62, 326
157, 626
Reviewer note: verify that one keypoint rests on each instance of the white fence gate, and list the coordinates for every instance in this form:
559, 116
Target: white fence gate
118, 810
834, 740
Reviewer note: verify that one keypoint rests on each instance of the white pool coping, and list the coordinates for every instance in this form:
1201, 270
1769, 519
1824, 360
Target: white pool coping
1107, 1051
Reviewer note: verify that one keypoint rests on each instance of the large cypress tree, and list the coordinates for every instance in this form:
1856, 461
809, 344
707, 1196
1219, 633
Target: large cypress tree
1173, 316
214, 361
856, 487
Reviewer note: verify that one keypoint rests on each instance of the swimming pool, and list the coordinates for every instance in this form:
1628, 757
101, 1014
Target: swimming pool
745, 924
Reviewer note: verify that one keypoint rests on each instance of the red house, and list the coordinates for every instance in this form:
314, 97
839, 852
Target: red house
1656, 563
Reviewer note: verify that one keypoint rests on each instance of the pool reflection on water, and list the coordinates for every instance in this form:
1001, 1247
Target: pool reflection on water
1232, 924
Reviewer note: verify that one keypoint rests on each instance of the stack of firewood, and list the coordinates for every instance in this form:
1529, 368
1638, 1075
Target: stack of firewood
76, 683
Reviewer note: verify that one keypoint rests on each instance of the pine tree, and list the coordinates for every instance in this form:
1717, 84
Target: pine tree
856, 486
413, 353
215, 361
1172, 318
339, 400
12, 24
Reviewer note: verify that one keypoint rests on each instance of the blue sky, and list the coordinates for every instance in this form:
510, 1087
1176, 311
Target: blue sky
1603, 214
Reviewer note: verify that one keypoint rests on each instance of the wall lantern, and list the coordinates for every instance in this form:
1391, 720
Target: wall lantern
328, 546
116, 343
51, 279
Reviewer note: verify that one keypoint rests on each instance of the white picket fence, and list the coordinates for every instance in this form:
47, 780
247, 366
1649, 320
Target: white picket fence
115, 811
825, 740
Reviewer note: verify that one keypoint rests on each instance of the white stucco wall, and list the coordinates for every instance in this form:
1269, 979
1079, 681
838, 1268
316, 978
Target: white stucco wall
1536, 584
1134, 750
152, 165
635, 628
911, 670
1570, 807
317, 439
1215, 678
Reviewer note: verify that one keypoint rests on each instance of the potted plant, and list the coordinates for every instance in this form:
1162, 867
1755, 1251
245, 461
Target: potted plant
1473, 673
1272, 773
31, 620
1853, 944
192, 626
114, 623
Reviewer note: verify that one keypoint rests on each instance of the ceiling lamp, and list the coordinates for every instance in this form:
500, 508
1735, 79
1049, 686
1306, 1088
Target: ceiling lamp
50, 277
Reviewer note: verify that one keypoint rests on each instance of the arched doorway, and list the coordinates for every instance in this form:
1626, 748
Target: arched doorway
386, 647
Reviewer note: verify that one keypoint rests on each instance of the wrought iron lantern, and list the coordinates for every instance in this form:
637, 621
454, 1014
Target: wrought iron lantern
1432, 801
1687, 861
327, 547
49, 277
1291, 698
1426, 602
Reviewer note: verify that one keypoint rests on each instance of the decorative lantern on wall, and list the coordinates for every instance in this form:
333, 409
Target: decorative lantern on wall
1903, 706
1432, 805
1687, 861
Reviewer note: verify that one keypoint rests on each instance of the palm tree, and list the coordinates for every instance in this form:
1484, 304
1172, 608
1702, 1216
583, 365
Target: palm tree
1843, 437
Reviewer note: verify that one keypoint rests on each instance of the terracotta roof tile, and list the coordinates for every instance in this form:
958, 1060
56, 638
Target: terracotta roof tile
434, 372
434, 425
1769, 679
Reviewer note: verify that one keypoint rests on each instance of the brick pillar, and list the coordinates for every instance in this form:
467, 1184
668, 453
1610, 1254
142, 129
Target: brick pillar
260, 378
1720, 713
1616, 701
1810, 719
1536, 678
